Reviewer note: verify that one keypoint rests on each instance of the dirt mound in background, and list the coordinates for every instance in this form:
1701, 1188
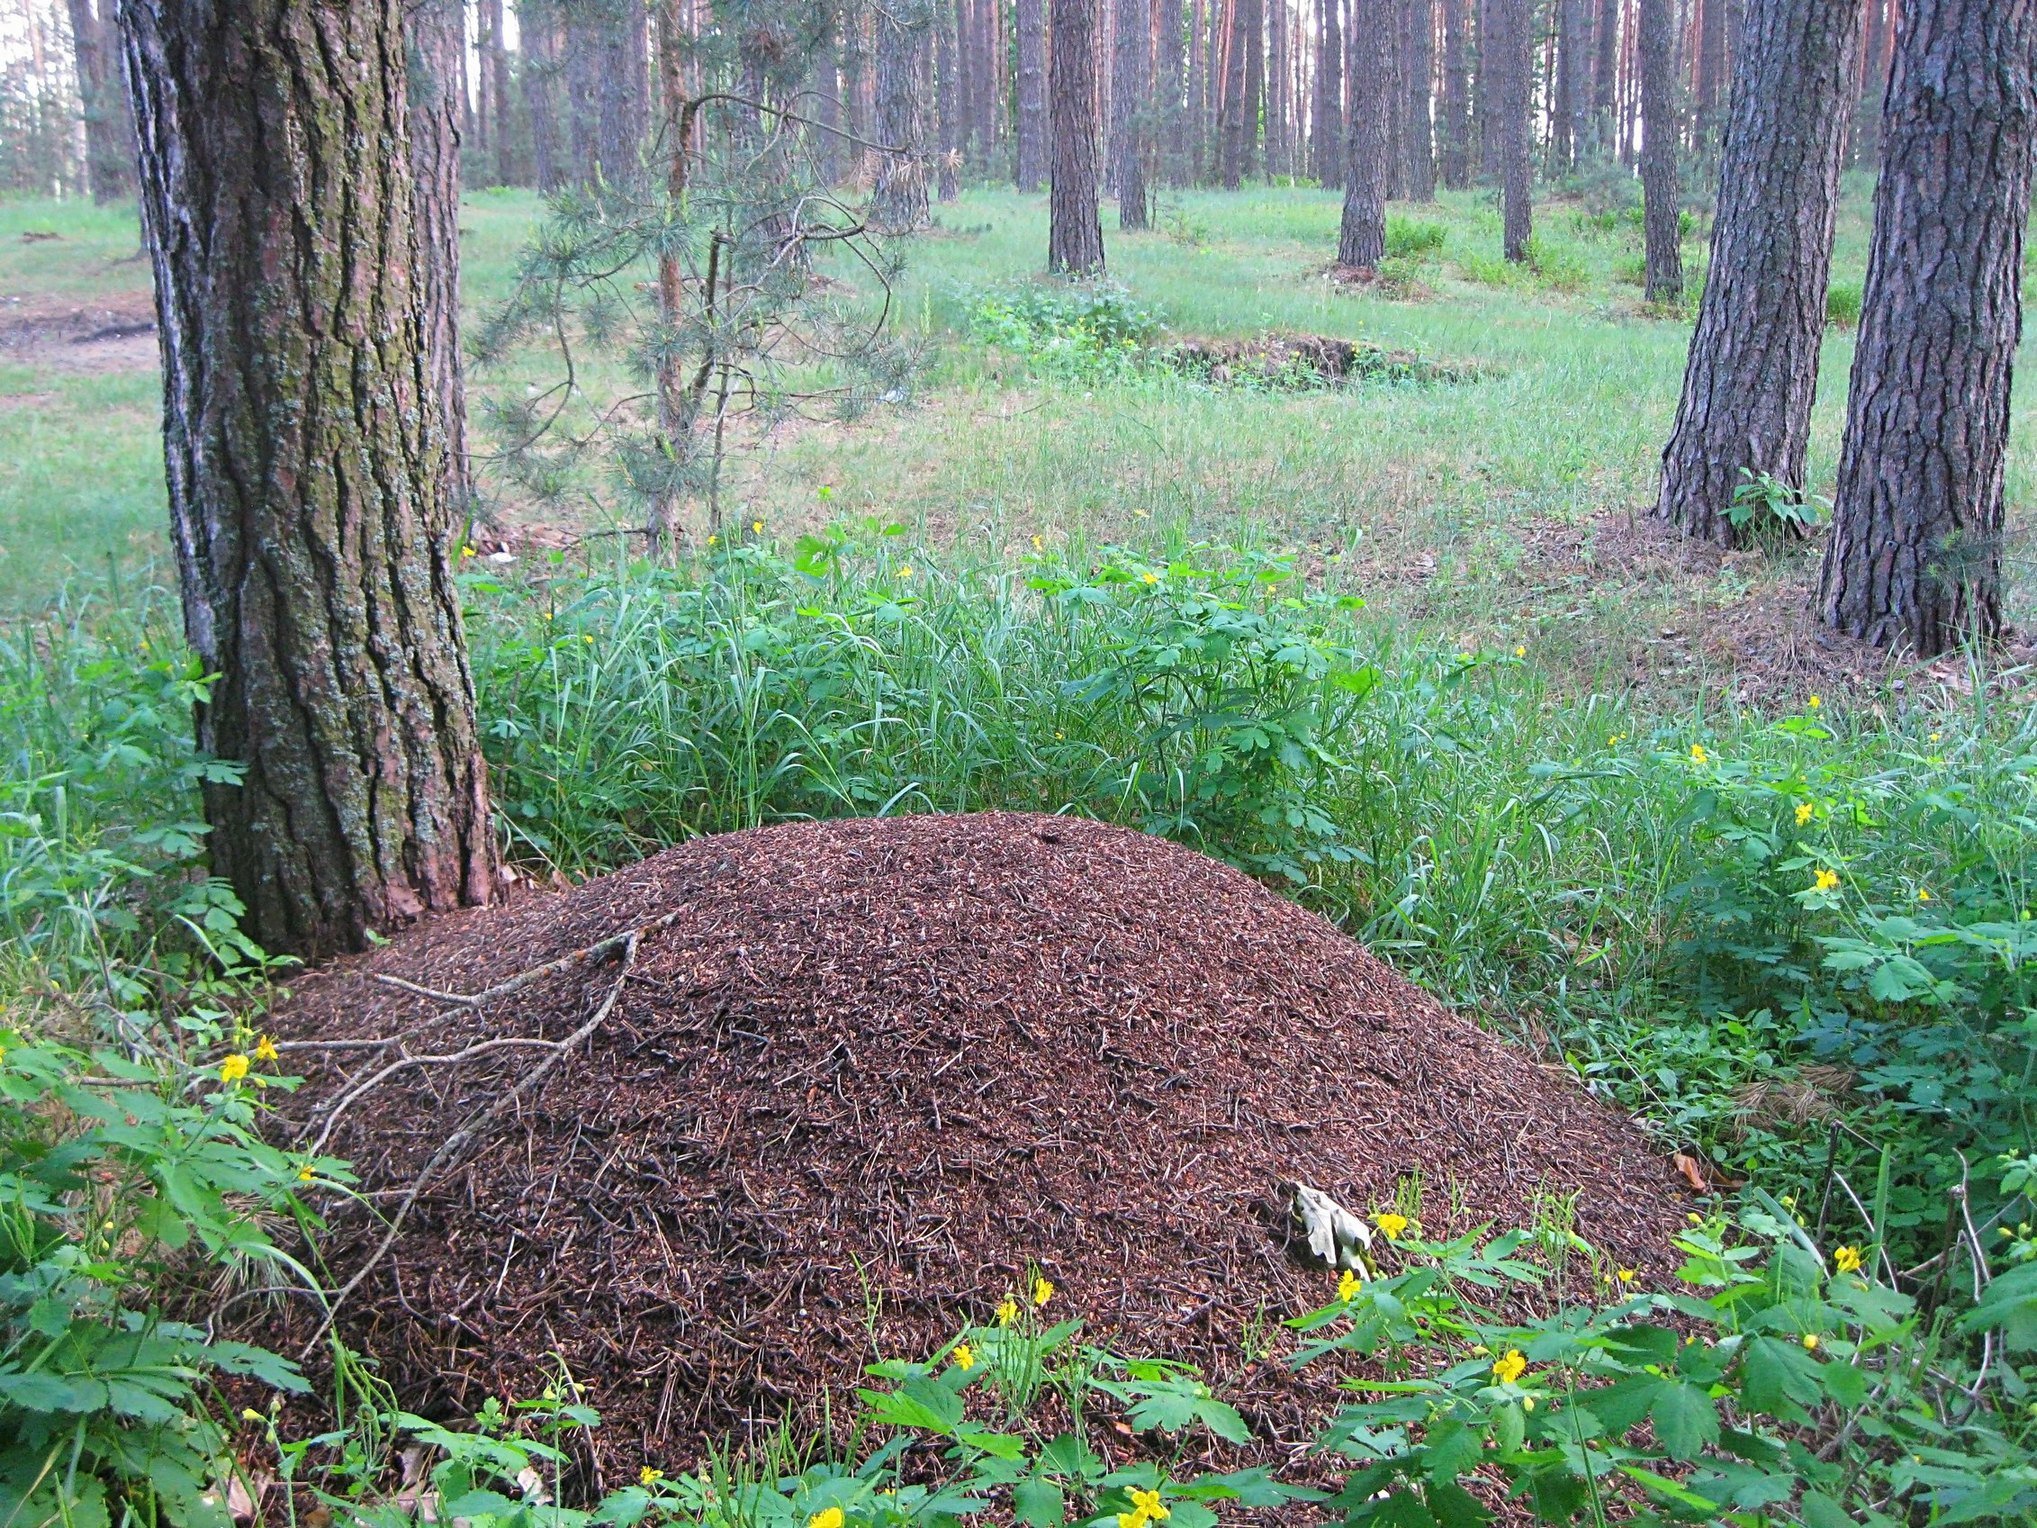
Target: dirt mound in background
1307, 360
855, 1077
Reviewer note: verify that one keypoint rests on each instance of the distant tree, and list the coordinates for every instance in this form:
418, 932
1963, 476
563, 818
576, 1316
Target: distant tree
1915, 555
495, 89
904, 28
307, 465
1509, 57
1605, 77
1130, 111
1075, 227
1329, 148
1662, 210
1419, 137
1753, 366
435, 49
538, 38
1456, 123
1168, 85
1033, 128
1361, 237
948, 129
109, 126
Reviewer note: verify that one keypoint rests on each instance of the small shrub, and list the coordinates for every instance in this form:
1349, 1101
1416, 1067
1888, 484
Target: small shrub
1414, 237
1842, 303
1770, 511
1078, 327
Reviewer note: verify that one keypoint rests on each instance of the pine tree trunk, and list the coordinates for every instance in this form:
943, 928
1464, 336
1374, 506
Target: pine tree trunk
625, 89
1421, 135
1574, 92
1661, 197
1753, 366
947, 139
1252, 16
1605, 80
983, 92
1075, 228
900, 202
1168, 90
437, 43
1129, 112
1361, 237
1512, 67
1032, 94
102, 94
1456, 96
537, 34
497, 104
1327, 151
1276, 88
1395, 19
307, 474
1915, 556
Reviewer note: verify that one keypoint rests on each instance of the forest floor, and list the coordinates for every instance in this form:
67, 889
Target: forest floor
1501, 511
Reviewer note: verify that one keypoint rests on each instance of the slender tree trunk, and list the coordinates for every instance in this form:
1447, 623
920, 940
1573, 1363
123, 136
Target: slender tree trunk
109, 126
900, 202
307, 472
1032, 94
1168, 87
1573, 113
1753, 366
1510, 56
437, 40
1361, 238
1662, 208
1421, 132
1456, 96
1395, 19
496, 106
1605, 80
1075, 229
1327, 150
624, 95
1130, 112
947, 140
1276, 88
1915, 556
984, 91
537, 37
1252, 17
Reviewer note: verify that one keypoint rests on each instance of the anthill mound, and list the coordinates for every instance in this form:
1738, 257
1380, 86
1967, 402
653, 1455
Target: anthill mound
852, 1078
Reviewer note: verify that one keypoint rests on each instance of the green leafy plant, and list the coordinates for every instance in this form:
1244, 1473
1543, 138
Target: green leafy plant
1769, 510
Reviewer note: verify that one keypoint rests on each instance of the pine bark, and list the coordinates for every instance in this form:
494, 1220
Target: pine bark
306, 464
947, 136
1573, 112
1605, 79
1032, 94
1511, 64
109, 125
1753, 365
1361, 237
1915, 556
1328, 149
1075, 227
900, 202
1661, 198
538, 40
1420, 134
436, 51
496, 75
1169, 86
1252, 17
1129, 111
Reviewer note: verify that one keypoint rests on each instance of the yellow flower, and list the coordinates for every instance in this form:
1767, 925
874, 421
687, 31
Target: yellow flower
1826, 881
1846, 1259
827, 1517
1616, 739
249, 1414
965, 1356
1131, 1520
1625, 1275
1149, 1506
711, 540
1811, 1341
1043, 1290
1923, 894
1007, 1311
1521, 652
1391, 1225
1936, 735
1814, 702
1527, 1403
1149, 577
905, 570
1348, 1285
467, 551
265, 1049
1509, 1367
1698, 754
1804, 813
648, 1476
305, 1174
233, 1068
757, 527
1039, 545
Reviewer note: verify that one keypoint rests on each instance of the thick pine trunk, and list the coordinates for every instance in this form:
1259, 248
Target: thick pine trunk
1915, 556
625, 88
306, 465
900, 202
1361, 237
1032, 94
1661, 210
1252, 20
1456, 96
497, 104
109, 126
538, 38
1753, 366
1420, 136
1075, 228
1129, 113
1573, 56
1511, 65
1231, 123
